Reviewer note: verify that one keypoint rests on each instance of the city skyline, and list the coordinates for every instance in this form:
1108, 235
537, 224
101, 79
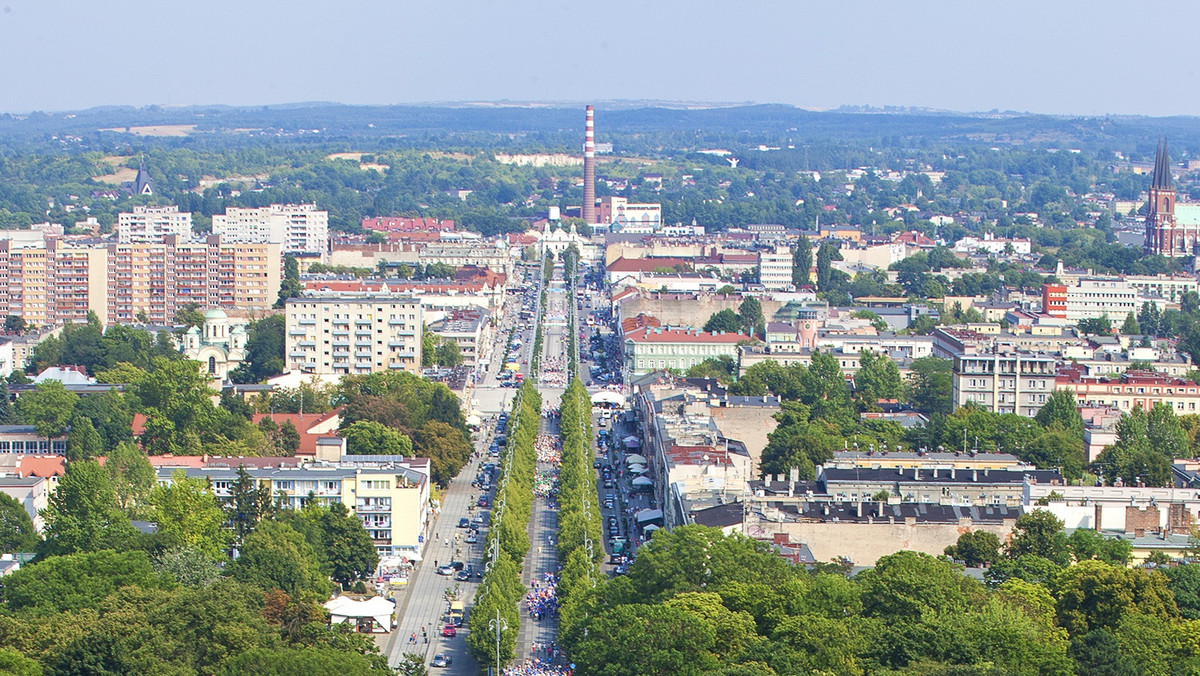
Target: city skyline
1021, 56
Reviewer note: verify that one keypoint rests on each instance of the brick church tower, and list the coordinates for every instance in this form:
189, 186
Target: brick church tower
1163, 234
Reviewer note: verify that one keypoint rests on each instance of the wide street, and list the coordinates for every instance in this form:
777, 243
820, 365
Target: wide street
424, 602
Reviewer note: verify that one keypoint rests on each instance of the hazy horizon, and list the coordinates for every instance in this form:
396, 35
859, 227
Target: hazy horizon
1022, 56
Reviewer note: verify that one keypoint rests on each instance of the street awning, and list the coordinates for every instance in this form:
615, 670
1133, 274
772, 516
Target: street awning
642, 481
635, 459
639, 469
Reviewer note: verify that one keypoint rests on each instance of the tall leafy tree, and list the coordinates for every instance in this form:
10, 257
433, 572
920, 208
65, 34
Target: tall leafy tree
725, 320
16, 527
276, 556
1130, 326
186, 511
826, 255
132, 477
367, 437
48, 408
250, 503
1039, 533
84, 441
802, 262
878, 377
930, 385
83, 515
1061, 410
751, 313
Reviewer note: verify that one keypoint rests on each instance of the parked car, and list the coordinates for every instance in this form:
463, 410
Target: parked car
464, 522
450, 631
441, 660
472, 538
445, 569
463, 575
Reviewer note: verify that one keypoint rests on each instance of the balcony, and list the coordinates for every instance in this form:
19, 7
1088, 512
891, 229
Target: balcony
297, 332
297, 355
361, 334
308, 343
363, 365
308, 322
363, 355
341, 334
362, 322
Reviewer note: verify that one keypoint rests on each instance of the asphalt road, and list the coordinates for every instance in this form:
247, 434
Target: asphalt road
423, 604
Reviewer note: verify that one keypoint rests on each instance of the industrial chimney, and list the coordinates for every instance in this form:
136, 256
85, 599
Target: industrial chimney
589, 170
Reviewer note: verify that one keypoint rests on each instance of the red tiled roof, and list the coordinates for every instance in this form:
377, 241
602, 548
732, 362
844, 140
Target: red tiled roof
672, 334
41, 465
303, 424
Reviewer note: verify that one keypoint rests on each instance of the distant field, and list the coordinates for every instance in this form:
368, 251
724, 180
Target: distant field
357, 157
119, 174
157, 130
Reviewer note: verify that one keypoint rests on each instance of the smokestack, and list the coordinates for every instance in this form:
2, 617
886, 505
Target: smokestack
589, 170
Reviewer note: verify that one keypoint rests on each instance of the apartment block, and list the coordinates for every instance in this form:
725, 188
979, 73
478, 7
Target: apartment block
297, 228
391, 498
23, 281
76, 276
150, 225
154, 280
353, 334
1011, 382
775, 268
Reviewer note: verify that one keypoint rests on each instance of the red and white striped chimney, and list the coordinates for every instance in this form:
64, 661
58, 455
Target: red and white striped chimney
589, 170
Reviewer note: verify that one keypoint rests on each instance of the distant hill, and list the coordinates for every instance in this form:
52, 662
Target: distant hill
560, 125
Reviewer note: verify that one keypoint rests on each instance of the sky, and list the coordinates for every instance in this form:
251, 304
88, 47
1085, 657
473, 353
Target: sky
1074, 57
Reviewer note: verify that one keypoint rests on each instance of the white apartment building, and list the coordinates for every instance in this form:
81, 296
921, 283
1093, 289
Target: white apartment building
353, 334
775, 268
1012, 382
297, 228
149, 225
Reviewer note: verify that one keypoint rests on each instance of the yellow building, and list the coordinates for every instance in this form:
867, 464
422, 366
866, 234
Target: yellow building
389, 494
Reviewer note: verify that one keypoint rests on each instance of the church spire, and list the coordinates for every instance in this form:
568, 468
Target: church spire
1162, 168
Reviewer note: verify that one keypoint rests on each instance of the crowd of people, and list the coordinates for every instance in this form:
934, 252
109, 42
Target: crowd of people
537, 667
549, 455
542, 599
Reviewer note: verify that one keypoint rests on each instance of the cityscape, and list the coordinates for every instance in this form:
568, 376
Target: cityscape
661, 376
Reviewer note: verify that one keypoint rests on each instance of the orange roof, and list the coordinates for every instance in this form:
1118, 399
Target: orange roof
41, 465
303, 424
642, 320
674, 334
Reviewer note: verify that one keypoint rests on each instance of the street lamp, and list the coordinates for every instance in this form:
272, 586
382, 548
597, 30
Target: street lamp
497, 626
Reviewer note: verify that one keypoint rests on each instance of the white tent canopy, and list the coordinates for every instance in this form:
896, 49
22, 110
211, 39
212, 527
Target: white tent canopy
635, 459
608, 397
474, 420
639, 469
345, 609
642, 481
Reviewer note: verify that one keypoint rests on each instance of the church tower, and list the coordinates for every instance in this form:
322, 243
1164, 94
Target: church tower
1162, 235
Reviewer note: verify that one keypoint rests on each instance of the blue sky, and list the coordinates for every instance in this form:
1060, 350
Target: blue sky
1049, 56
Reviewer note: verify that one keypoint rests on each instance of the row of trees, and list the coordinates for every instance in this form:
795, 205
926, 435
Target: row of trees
501, 589
580, 528
696, 602
748, 319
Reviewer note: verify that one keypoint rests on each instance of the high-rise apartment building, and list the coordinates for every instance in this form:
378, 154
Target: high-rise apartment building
297, 228
76, 276
24, 287
353, 334
149, 225
152, 281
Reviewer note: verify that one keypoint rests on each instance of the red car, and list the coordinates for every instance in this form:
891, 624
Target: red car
449, 631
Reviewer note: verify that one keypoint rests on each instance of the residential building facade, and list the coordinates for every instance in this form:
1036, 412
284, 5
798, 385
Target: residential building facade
150, 225
297, 228
1011, 382
652, 348
353, 334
